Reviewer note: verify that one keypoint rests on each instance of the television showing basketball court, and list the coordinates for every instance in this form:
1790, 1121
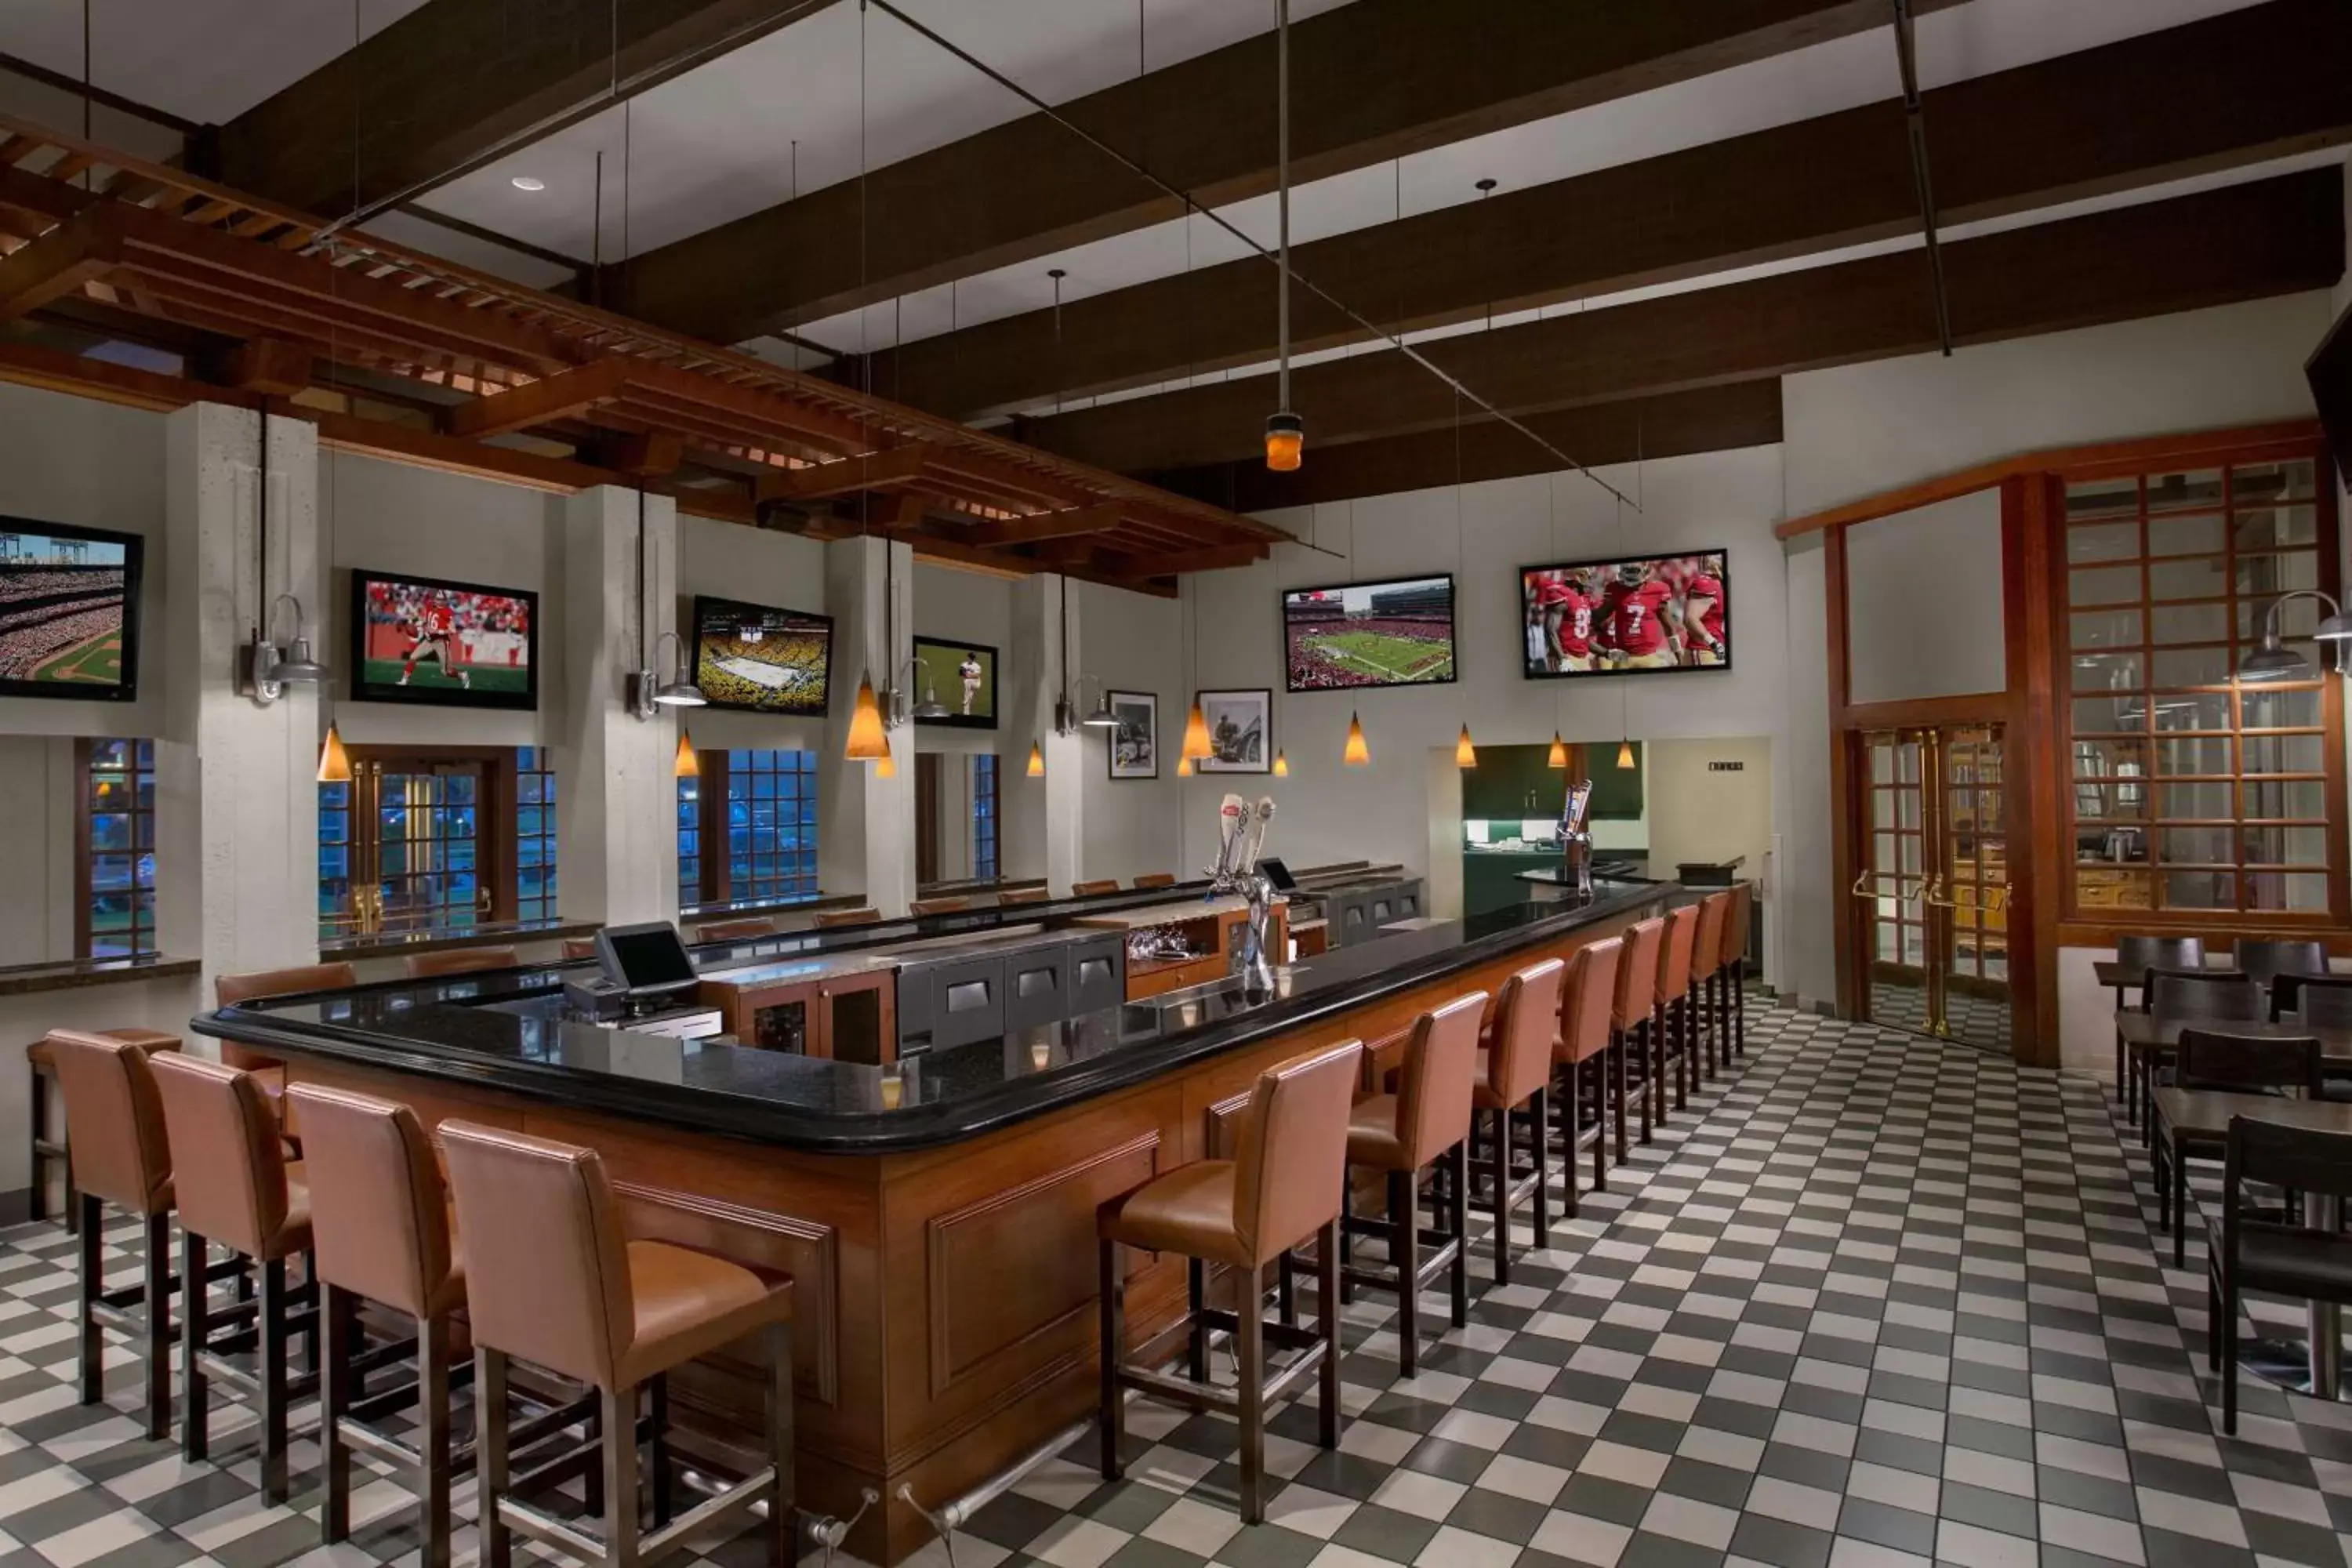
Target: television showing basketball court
69, 612
762, 659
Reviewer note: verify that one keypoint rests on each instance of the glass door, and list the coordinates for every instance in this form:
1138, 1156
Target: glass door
1934, 883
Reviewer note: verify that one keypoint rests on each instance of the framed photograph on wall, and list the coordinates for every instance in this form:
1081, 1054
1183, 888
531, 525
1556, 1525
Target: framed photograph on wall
1241, 732
1135, 744
961, 677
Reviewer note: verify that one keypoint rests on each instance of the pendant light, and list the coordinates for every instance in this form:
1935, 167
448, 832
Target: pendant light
1465, 755
1286, 433
866, 741
689, 765
1184, 767
887, 768
1358, 754
1281, 764
334, 763
1036, 760
1625, 758
1196, 734
1558, 756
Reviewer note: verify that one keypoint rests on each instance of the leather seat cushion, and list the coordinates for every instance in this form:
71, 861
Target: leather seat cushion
1189, 1211
2292, 1263
1373, 1140
688, 1303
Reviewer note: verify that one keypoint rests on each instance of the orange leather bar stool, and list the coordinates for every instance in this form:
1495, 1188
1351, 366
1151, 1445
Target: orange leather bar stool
553, 1279
735, 931
236, 1188
1282, 1186
1735, 961
1514, 1078
1021, 896
1632, 1013
827, 920
1588, 1000
938, 906
1706, 958
1670, 1043
380, 1217
122, 1158
1087, 889
1155, 880
576, 948
1405, 1133
462, 961
228, 990
56, 1149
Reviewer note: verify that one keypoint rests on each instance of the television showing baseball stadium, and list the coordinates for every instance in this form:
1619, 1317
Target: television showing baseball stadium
1626, 618
456, 645
1369, 634
69, 612
761, 659
960, 676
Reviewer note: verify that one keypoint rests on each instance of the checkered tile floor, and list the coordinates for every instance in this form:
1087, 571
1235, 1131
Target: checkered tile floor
1873, 1300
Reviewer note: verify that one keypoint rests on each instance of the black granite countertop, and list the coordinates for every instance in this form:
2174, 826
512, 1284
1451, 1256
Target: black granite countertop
509, 1031
75, 973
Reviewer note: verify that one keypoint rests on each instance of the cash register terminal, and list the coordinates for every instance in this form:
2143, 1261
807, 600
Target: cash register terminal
645, 980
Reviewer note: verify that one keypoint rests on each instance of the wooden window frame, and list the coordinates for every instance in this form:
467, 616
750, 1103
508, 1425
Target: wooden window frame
493, 817
2081, 924
86, 855
714, 780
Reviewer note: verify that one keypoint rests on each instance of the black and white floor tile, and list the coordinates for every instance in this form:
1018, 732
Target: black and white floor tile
1875, 1300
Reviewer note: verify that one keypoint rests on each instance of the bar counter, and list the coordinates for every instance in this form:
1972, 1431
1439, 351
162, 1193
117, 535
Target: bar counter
938, 1211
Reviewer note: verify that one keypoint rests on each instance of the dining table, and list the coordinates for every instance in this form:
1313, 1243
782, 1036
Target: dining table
2197, 1121
2148, 1039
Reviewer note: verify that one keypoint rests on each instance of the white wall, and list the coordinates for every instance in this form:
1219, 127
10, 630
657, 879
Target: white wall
1924, 602
967, 606
395, 517
1133, 642
755, 566
37, 855
1699, 813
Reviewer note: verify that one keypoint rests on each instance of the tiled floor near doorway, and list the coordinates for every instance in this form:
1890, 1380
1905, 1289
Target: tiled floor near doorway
1875, 1300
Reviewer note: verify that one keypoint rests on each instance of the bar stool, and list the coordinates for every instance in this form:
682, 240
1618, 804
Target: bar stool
1151, 880
228, 990
234, 1188
921, 907
734, 931
1586, 1012
576, 948
1631, 1014
1735, 959
551, 1279
829, 919
1405, 1133
1670, 1042
380, 1219
123, 1158
1283, 1185
1021, 896
47, 1150
1706, 958
464, 960
1514, 1075
1087, 889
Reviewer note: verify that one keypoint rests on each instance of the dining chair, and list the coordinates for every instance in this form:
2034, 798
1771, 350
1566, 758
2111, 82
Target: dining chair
2265, 959
2321, 1000
2217, 1061
2310, 1260
2218, 995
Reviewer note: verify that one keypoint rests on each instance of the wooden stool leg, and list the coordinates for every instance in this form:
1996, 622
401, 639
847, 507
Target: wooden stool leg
1249, 1351
38, 1100
1286, 1292
335, 1398
1459, 1216
1113, 1415
1543, 1168
491, 1462
1405, 1256
159, 1327
1685, 1062
1196, 1291
1498, 1172
93, 1286
1347, 1237
1327, 1315
195, 1329
1617, 1095
783, 1519
276, 1482
620, 1411
432, 1435
657, 1395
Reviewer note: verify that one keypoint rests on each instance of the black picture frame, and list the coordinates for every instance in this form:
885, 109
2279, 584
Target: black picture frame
364, 690
951, 697
1262, 697
1149, 701
706, 606
134, 557
1452, 632
1528, 669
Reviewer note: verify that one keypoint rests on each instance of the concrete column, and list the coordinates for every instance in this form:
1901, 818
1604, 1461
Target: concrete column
616, 774
237, 810
1045, 818
866, 823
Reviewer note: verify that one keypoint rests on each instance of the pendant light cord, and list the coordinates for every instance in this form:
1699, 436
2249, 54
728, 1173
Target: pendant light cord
1282, 187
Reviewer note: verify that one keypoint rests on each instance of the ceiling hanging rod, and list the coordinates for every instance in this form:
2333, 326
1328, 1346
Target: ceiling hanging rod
1915, 119
1395, 342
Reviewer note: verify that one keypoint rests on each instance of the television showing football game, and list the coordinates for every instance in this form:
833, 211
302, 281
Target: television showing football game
69, 612
1631, 616
761, 659
961, 678
459, 645
1369, 634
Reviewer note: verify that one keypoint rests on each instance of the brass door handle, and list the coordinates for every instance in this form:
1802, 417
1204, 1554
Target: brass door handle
1861, 889
1928, 895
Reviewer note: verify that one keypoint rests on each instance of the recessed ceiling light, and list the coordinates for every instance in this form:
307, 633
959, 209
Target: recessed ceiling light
528, 182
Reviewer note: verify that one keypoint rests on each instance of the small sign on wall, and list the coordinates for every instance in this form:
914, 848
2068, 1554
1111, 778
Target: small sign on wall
1731, 767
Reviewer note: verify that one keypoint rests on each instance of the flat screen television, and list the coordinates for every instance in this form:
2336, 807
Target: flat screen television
762, 659
1397, 633
961, 677
69, 612
1634, 616
457, 644
2329, 371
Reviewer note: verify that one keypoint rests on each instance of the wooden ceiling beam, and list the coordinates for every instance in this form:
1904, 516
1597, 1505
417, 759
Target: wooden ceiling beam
2232, 90
55, 265
2273, 237
1075, 522
562, 396
1372, 82
271, 366
457, 84
1176, 562
885, 469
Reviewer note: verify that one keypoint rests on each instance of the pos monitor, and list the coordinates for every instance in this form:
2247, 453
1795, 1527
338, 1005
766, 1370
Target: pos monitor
645, 960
